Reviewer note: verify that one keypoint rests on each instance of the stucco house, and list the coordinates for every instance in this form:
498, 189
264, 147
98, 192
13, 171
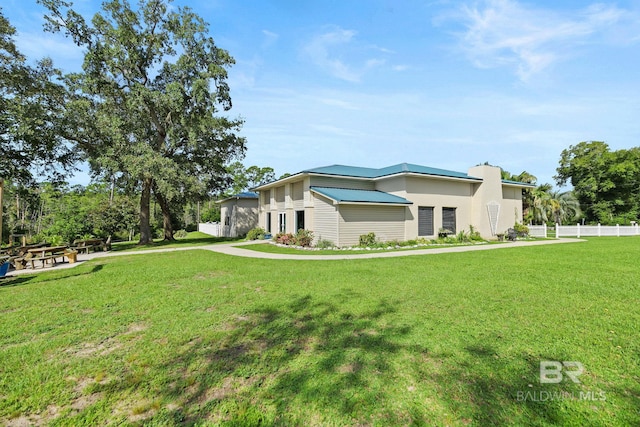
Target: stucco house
238, 214
400, 202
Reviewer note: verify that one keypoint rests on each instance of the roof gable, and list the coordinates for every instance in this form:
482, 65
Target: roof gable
372, 173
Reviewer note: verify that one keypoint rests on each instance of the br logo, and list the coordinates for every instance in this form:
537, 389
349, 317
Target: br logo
552, 372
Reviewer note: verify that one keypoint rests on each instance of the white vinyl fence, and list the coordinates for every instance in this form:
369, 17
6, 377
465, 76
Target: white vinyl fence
212, 228
585, 230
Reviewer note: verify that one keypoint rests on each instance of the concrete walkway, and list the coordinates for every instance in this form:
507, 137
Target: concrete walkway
235, 249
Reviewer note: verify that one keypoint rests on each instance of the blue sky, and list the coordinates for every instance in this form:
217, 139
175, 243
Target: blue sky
447, 84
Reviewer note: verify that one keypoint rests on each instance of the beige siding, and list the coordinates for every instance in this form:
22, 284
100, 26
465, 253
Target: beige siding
265, 199
327, 181
325, 220
387, 222
297, 195
246, 216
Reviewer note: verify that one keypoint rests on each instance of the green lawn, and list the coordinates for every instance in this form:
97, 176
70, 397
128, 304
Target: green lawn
194, 238
200, 338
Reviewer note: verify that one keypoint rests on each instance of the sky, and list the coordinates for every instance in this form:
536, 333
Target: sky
446, 84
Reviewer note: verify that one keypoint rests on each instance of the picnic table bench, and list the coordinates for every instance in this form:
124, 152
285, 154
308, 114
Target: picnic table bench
87, 244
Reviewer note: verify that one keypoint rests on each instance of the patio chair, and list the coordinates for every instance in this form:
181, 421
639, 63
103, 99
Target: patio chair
4, 268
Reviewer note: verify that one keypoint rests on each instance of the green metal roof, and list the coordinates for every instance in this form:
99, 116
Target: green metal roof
349, 195
243, 195
359, 172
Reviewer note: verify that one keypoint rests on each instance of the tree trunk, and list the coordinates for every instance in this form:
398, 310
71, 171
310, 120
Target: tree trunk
145, 213
166, 215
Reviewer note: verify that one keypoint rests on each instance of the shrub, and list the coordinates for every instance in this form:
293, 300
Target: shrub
462, 237
303, 238
180, 234
256, 233
474, 235
368, 240
285, 238
521, 229
324, 244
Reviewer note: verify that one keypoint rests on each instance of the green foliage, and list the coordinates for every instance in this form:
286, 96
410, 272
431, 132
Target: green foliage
367, 240
210, 214
31, 106
605, 182
304, 238
181, 234
462, 237
243, 179
147, 103
521, 229
474, 235
324, 244
256, 233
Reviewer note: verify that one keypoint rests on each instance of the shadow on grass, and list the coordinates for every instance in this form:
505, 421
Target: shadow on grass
278, 364
11, 281
492, 390
313, 362
189, 241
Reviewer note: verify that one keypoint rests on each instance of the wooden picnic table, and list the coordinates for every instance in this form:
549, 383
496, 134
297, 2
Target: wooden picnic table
47, 253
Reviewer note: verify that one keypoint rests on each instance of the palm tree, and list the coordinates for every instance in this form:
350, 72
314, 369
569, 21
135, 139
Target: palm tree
563, 206
538, 202
528, 200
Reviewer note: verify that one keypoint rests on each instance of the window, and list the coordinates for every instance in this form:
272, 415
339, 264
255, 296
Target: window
449, 219
299, 220
227, 220
425, 221
268, 224
282, 222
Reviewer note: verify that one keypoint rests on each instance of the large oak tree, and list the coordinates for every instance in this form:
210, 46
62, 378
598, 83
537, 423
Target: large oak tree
31, 109
149, 101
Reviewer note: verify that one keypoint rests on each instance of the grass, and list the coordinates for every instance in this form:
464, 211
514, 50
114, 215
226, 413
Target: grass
200, 338
194, 238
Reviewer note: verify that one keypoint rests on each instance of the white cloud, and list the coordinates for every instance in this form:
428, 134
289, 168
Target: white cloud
270, 38
506, 33
60, 49
329, 49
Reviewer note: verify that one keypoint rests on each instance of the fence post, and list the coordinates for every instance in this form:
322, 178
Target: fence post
557, 231
599, 232
578, 230
617, 230
545, 230
636, 228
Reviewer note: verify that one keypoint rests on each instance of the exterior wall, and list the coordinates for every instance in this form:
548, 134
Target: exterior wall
297, 195
325, 220
246, 217
439, 194
431, 192
238, 216
387, 222
343, 224
494, 191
